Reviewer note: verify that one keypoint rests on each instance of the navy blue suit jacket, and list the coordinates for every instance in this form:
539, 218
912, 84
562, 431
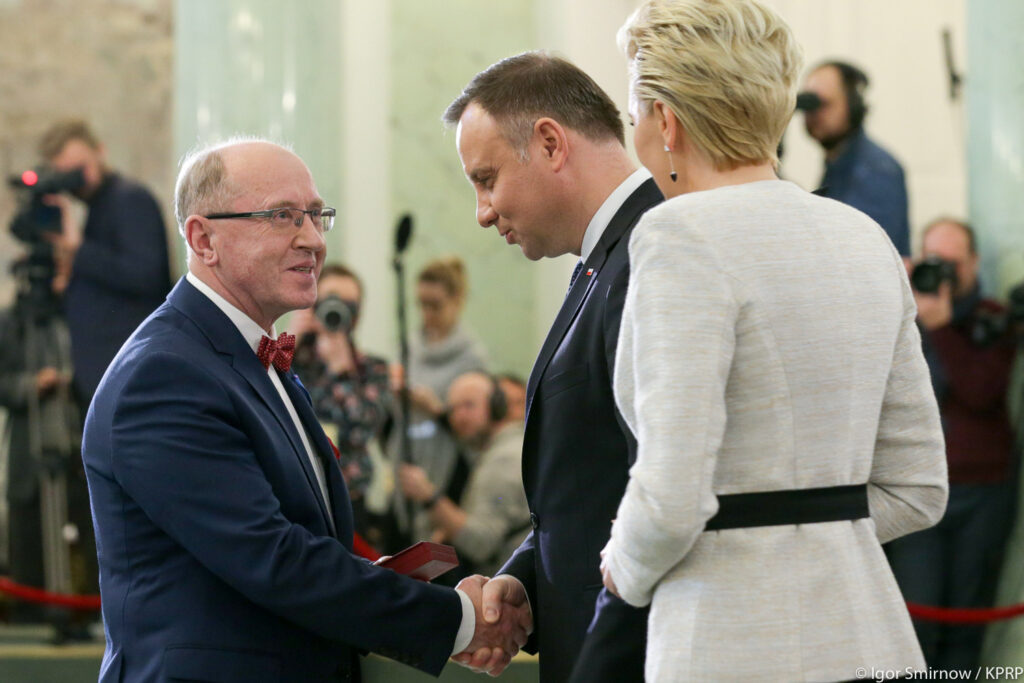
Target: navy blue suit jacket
217, 561
577, 451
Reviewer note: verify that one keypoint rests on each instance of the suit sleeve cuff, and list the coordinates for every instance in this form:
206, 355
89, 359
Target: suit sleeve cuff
468, 626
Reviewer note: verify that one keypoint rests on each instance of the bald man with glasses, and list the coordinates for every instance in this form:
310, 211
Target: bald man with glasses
223, 523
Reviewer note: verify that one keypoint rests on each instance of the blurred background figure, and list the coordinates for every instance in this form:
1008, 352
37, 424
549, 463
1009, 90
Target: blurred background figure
514, 388
350, 390
49, 531
858, 171
970, 350
491, 518
115, 269
443, 348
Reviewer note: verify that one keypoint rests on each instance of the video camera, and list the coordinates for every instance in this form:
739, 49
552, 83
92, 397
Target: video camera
32, 221
34, 218
336, 314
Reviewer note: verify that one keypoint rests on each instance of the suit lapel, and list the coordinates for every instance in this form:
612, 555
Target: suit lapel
225, 338
322, 449
640, 200
574, 300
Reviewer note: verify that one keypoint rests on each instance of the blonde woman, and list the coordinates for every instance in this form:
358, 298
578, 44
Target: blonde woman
770, 368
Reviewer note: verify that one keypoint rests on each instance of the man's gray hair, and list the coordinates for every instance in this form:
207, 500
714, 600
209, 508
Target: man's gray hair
203, 185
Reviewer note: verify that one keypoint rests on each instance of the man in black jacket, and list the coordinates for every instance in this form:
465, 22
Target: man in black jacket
542, 145
113, 272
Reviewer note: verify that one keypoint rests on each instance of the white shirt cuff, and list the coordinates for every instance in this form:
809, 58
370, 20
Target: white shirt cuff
468, 627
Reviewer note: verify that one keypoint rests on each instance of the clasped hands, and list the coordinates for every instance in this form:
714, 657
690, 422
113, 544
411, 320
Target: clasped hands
504, 621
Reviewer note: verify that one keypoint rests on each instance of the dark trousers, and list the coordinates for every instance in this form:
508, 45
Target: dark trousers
955, 564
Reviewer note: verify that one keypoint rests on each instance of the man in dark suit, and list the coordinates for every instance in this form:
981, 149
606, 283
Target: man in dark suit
224, 529
542, 145
116, 269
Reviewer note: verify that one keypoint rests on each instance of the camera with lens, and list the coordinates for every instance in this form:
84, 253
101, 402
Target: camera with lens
336, 314
929, 274
34, 218
31, 223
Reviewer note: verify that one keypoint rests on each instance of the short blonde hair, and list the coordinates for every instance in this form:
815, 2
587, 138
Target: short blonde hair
727, 69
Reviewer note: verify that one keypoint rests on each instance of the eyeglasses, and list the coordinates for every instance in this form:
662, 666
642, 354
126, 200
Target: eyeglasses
322, 218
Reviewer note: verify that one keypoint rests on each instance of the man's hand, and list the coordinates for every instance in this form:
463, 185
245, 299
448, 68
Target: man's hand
47, 380
415, 484
504, 622
69, 239
65, 243
935, 310
426, 400
335, 350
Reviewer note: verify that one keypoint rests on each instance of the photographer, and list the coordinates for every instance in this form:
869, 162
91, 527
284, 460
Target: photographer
350, 390
858, 171
113, 272
970, 353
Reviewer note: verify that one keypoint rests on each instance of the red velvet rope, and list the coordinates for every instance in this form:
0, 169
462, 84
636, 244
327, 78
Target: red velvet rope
362, 548
38, 595
92, 602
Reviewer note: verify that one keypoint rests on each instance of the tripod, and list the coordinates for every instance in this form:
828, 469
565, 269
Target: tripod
50, 425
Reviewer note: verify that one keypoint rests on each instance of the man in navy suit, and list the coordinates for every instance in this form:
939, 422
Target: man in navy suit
116, 269
223, 526
542, 145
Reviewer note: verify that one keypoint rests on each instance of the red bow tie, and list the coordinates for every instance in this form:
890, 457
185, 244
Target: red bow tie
279, 352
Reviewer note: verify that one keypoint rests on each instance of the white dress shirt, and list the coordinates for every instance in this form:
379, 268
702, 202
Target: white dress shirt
608, 209
252, 333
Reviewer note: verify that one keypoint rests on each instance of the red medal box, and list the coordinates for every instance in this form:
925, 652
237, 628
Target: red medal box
424, 560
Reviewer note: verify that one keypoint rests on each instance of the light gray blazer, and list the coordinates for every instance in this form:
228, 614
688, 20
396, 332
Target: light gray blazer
768, 342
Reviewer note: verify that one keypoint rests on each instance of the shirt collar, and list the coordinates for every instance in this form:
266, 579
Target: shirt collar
611, 205
249, 328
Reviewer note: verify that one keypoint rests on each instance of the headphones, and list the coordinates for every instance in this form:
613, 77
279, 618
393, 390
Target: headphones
855, 82
497, 403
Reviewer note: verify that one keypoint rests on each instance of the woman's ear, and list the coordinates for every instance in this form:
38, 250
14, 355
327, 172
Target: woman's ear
668, 125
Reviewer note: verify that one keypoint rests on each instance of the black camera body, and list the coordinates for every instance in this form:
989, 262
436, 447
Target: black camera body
336, 314
929, 274
34, 218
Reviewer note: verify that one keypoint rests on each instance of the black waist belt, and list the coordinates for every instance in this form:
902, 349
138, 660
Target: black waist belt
797, 506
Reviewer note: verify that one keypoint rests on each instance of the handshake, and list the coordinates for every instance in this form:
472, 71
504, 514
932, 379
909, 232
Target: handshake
504, 621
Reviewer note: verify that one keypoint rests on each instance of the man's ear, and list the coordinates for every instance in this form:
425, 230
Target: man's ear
199, 236
552, 142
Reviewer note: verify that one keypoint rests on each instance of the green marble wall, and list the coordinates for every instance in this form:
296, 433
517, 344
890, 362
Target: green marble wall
259, 67
995, 99
436, 49
995, 142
